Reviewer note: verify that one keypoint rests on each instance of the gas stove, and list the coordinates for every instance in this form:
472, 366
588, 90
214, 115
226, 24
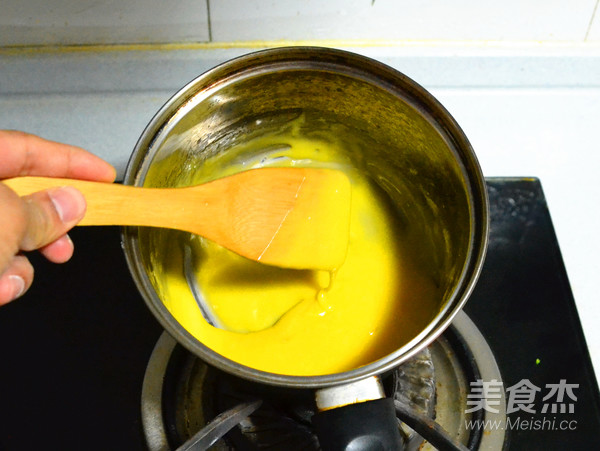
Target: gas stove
86, 366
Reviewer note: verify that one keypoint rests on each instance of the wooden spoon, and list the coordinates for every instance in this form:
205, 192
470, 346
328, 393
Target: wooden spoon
289, 217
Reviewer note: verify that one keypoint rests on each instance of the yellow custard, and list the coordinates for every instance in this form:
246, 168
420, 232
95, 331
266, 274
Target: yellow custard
298, 322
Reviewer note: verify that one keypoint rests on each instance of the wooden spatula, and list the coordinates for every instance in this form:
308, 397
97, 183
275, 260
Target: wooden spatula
289, 217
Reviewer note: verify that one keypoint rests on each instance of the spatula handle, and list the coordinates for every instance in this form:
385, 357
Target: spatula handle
107, 203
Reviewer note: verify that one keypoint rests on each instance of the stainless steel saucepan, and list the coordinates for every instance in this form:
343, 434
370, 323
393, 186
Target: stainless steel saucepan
408, 145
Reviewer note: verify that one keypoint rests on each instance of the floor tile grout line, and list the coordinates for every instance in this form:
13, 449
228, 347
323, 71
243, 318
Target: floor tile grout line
589, 28
209, 23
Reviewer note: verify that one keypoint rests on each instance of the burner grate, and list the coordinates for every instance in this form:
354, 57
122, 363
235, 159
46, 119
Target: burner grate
434, 384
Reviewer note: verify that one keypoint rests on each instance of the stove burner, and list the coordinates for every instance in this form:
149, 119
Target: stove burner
181, 394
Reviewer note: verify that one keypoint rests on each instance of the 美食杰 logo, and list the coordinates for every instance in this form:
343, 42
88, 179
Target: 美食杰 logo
552, 404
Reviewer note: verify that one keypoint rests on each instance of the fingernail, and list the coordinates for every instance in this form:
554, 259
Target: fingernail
18, 286
68, 202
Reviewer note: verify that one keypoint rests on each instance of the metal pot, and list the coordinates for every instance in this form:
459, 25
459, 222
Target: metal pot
408, 145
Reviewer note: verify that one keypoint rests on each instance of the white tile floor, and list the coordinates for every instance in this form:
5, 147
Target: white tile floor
556, 20
76, 22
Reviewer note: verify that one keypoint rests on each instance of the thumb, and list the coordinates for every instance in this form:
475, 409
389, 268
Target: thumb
50, 214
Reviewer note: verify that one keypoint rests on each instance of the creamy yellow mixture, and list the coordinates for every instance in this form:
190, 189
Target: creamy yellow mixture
299, 322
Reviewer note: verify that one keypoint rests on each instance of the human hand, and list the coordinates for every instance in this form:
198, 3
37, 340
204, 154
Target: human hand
40, 220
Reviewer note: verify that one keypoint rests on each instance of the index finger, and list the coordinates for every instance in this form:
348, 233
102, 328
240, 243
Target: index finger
24, 154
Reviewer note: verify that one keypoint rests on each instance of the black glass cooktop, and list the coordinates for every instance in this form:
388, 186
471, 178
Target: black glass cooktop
74, 349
